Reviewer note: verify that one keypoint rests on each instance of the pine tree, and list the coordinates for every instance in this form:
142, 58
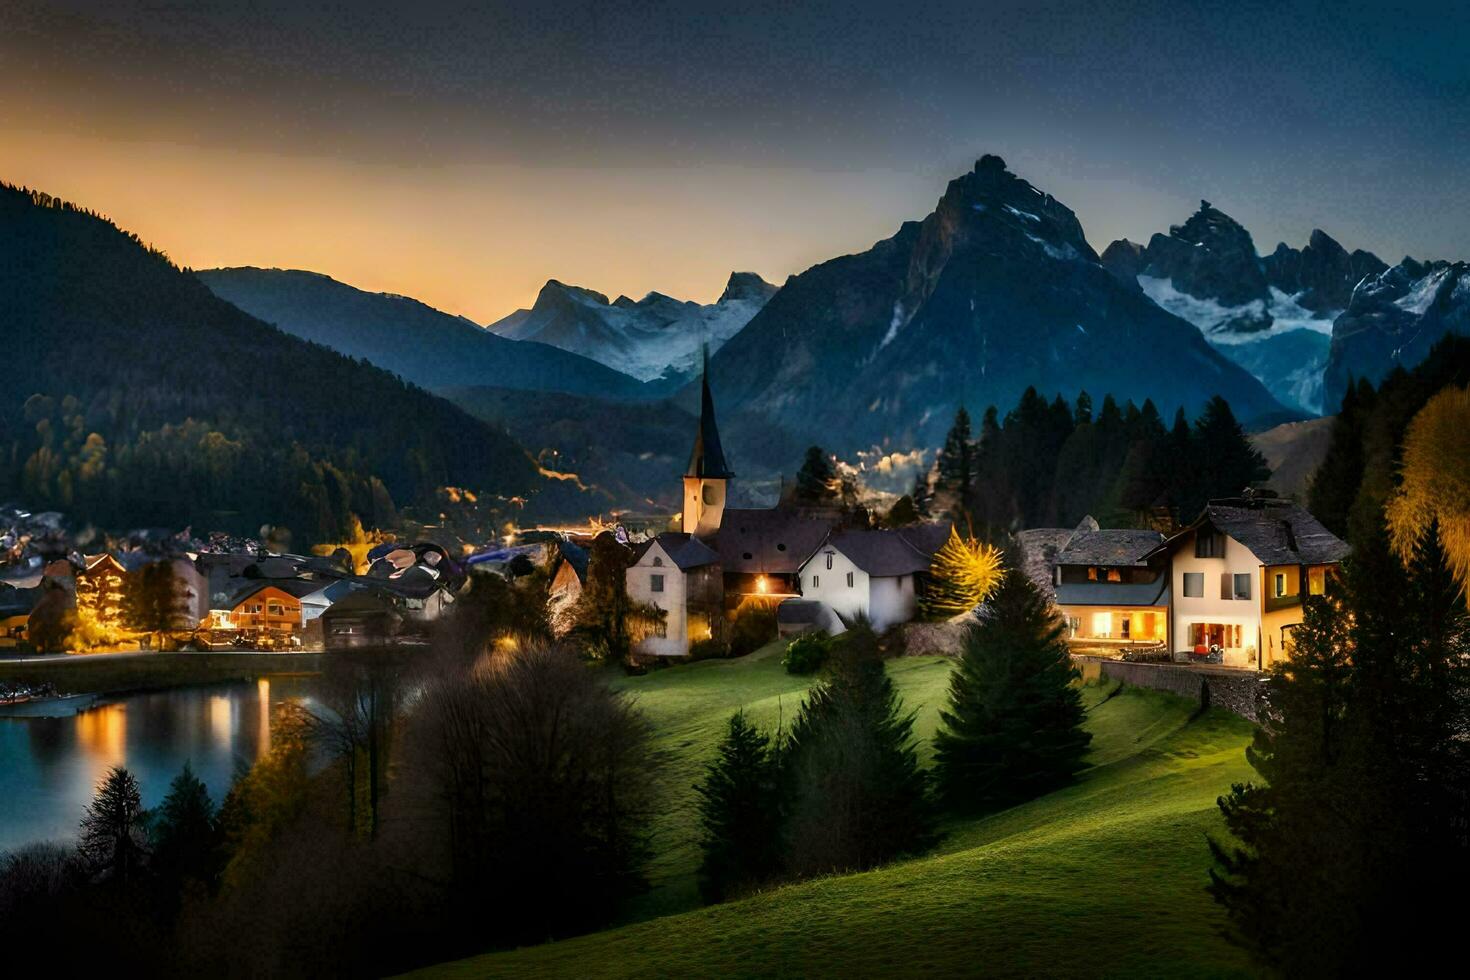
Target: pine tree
1013, 727
186, 844
113, 838
956, 465
962, 574
850, 770
1224, 463
740, 814
816, 481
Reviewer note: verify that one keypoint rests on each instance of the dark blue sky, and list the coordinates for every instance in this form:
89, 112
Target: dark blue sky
632, 146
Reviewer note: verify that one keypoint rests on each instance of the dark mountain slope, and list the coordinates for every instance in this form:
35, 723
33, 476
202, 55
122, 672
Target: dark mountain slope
997, 290
402, 335
134, 396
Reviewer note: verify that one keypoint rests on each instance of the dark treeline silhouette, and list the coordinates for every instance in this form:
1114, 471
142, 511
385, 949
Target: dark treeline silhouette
133, 396
1049, 464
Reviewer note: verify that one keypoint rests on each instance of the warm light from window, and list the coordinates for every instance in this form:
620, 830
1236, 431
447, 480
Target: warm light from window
760, 584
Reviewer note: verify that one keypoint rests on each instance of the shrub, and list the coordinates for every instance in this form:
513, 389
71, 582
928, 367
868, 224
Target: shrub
807, 653
754, 627
711, 648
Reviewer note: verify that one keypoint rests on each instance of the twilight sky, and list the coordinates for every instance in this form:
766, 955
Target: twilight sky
464, 153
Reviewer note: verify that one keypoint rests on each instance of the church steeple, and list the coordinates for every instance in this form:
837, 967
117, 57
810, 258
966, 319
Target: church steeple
706, 479
708, 458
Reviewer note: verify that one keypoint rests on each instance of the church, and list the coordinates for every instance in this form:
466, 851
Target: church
799, 558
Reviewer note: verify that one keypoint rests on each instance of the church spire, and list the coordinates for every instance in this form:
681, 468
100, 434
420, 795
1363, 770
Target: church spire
708, 458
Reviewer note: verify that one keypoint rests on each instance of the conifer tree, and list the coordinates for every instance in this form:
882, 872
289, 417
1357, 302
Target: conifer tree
816, 481
186, 844
850, 771
1013, 726
740, 814
962, 574
1224, 463
956, 466
113, 838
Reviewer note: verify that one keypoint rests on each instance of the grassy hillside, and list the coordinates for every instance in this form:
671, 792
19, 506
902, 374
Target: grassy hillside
1105, 877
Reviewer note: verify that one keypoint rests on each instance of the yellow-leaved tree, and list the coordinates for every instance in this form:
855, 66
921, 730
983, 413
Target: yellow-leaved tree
961, 575
1434, 488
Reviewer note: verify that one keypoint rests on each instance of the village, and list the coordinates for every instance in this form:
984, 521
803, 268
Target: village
1225, 590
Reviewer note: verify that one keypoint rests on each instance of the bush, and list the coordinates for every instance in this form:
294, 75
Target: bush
807, 653
754, 627
711, 648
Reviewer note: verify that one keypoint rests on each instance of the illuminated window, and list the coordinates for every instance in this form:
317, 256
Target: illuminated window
1092, 575
1102, 624
1114, 575
1317, 581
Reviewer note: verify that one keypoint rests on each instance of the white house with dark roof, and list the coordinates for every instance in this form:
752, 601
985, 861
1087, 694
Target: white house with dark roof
866, 573
681, 576
1239, 574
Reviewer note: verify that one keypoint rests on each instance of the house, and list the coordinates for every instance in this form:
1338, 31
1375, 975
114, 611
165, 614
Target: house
1110, 594
102, 587
266, 614
1229, 586
1238, 576
866, 573
681, 576
725, 557
367, 617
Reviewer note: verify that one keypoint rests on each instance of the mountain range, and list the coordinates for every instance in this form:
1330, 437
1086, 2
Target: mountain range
651, 338
417, 342
995, 291
135, 396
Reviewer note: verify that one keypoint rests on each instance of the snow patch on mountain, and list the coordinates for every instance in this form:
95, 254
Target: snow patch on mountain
1213, 318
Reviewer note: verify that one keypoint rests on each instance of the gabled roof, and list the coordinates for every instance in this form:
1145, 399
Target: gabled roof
773, 542
294, 587
684, 550
926, 538
1111, 546
708, 457
1277, 532
1038, 548
879, 553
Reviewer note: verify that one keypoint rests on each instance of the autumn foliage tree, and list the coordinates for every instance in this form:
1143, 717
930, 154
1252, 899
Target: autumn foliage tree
962, 574
1433, 495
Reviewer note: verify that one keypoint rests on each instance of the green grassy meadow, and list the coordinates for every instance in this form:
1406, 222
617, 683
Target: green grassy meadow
1103, 878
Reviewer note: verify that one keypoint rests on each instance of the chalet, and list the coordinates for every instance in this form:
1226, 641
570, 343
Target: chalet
724, 557
266, 614
1228, 588
1239, 574
681, 576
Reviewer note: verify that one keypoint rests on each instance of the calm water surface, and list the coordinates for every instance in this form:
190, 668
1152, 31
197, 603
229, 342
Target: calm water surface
50, 767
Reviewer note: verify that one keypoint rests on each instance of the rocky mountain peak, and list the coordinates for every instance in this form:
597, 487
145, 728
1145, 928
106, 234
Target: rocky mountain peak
747, 286
556, 293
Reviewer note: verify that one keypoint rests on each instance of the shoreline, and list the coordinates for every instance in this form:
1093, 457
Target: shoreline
102, 674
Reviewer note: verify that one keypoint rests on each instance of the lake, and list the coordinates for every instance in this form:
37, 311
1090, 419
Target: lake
50, 766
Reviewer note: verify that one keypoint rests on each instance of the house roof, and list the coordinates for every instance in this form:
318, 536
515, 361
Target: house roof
774, 542
295, 587
1037, 549
1277, 532
1111, 546
879, 553
1155, 593
684, 550
926, 538
708, 457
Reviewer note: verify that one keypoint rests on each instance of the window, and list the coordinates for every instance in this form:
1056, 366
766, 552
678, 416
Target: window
829, 561
1280, 580
816, 581
656, 583
1194, 585
709, 493
1317, 581
1242, 585
849, 580
658, 562
274, 608
1092, 574
1209, 544
1114, 575
1102, 624
1074, 624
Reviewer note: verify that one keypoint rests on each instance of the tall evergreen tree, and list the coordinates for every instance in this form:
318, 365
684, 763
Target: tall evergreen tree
1013, 726
113, 838
186, 841
956, 466
1223, 463
850, 770
816, 481
153, 602
740, 814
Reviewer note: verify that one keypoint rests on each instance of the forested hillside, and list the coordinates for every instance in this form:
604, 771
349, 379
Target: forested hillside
134, 396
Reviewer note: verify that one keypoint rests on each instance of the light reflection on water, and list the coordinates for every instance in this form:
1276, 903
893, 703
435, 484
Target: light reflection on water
50, 767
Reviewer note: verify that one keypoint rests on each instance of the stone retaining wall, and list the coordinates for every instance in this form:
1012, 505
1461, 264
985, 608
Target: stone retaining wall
1237, 691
